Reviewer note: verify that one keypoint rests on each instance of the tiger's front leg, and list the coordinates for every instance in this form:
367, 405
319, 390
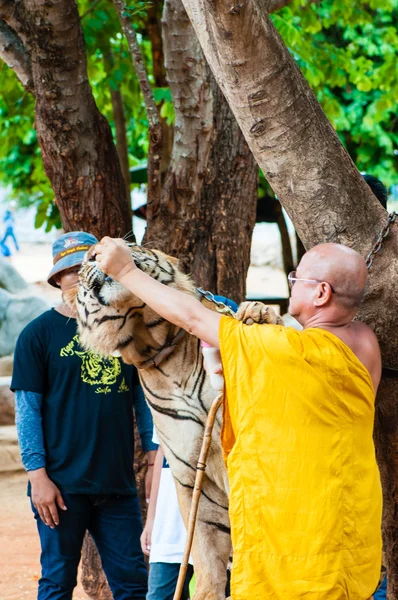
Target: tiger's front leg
211, 548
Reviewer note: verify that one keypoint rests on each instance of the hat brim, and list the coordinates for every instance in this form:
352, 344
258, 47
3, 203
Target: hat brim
65, 263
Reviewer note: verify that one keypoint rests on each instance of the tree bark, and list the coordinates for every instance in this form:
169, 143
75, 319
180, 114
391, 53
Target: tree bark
316, 182
206, 213
300, 250
287, 254
14, 54
155, 128
75, 139
121, 137
154, 14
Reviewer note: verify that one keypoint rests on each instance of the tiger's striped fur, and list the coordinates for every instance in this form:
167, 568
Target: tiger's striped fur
178, 391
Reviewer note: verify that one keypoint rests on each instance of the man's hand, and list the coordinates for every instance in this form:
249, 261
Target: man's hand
45, 497
146, 536
114, 258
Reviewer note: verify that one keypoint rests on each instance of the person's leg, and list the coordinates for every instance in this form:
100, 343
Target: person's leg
162, 580
61, 548
116, 528
12, 234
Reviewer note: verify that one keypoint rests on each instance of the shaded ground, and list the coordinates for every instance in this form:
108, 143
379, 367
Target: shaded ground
19, 548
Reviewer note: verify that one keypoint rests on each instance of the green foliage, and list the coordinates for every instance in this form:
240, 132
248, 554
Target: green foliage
21, 166
348, 53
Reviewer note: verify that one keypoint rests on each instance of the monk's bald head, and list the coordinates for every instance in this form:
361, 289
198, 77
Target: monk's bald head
343, 268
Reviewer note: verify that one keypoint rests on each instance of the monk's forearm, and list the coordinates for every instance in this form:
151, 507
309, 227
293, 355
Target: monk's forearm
176, 307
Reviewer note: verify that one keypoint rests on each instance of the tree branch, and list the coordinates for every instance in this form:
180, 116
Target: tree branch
9, 13
89, 10
138, 61
155, 129
15, 55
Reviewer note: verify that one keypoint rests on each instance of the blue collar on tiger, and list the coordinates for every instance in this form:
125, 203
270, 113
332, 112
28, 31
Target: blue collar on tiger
68, 251
227, 302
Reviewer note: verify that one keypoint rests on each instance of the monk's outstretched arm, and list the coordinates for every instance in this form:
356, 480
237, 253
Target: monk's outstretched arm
114, 258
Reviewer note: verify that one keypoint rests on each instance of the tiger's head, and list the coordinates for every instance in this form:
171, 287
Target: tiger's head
113, 321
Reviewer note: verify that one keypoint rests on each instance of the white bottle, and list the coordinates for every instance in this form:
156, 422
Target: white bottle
212, 360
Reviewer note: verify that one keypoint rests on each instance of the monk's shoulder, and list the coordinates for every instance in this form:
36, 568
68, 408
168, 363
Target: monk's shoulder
364, 334
365, 345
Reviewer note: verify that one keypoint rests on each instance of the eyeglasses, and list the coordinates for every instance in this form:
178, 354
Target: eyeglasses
292, 280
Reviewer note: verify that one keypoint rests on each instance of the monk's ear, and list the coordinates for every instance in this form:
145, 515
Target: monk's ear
323, 294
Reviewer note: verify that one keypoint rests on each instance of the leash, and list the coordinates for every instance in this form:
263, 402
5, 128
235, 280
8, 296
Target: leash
200, 471
221, 307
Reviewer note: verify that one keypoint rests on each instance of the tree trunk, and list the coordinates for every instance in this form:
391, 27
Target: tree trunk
300, 250
154, 125
154, 14
121, 137
79, 156
315, 180
287, 254
207, 210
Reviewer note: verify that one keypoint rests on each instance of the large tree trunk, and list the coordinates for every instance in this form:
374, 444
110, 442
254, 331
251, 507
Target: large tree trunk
206, 213
79, 156
315, 180
121, 136
154, 15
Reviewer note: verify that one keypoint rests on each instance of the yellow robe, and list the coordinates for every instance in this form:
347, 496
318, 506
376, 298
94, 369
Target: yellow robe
305, 500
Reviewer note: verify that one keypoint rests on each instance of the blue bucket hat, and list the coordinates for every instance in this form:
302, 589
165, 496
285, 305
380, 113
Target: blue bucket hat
68, 251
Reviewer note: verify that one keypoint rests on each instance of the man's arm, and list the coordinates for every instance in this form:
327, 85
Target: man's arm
29, 429
45, 494
114, 258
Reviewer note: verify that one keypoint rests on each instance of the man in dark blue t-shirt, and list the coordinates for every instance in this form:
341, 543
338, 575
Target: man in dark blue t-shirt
74, 415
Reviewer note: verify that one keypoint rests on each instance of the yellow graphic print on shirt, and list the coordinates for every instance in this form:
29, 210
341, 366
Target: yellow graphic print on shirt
96, 370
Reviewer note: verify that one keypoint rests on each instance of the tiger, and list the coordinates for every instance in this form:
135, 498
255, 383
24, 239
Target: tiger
114, 322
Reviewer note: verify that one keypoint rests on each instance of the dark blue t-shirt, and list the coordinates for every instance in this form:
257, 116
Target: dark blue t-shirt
87, 408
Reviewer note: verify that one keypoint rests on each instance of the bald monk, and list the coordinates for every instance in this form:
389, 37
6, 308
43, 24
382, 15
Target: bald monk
305, 501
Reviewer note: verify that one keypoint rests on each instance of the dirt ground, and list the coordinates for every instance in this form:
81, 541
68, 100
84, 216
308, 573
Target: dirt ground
19, 547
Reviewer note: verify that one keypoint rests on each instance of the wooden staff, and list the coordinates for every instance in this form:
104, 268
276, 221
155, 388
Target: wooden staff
200, 471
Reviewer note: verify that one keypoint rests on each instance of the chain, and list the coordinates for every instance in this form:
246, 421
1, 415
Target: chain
380, 240
220, 306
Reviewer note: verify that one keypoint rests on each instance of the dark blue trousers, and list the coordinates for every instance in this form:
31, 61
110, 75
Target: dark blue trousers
114, 523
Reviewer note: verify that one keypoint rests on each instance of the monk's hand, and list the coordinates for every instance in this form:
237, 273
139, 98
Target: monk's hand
113, 257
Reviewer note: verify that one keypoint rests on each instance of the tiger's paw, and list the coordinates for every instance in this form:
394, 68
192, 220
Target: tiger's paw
257, 312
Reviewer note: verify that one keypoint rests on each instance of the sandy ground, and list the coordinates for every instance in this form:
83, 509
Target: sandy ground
19, 547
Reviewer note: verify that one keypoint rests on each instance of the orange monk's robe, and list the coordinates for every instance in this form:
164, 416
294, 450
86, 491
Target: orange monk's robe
305, 499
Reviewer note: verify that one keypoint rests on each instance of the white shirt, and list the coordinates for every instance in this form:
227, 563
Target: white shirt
168, 533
